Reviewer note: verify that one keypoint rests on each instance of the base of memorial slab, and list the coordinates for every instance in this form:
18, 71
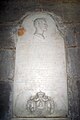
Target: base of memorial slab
40, 119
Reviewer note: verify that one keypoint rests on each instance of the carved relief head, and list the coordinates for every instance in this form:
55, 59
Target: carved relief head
40, 25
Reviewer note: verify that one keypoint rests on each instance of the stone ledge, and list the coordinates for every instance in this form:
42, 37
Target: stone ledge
40, 119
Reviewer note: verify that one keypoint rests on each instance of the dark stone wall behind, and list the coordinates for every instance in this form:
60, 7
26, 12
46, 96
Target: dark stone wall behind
10, 13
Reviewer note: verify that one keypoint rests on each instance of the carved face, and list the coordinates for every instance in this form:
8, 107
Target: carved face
40, 24
43, 25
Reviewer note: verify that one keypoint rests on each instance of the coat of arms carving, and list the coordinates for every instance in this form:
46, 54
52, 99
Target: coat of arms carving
40, 104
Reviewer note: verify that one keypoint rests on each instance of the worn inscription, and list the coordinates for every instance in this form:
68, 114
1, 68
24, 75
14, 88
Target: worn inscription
40, 85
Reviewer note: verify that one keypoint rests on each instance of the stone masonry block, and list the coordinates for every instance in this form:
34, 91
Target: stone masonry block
70, 36
7, 38
77, 30
71, 12
7, 62
73, 62
14, 10
5, 100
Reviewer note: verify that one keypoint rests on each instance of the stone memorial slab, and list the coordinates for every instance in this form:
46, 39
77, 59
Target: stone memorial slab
40, 85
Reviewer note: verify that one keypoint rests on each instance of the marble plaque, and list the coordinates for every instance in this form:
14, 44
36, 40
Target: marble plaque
40, 85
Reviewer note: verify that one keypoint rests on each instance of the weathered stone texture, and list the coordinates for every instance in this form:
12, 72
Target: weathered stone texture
73, 60
7, 62
73, 98
71, 12
78, 87
7, 37
13, 10
77, 30
5, 100
70, 37
73, 72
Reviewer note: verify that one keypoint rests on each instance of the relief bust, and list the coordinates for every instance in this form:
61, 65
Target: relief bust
40, 25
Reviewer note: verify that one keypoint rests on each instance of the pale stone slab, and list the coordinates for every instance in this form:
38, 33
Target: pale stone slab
40, 86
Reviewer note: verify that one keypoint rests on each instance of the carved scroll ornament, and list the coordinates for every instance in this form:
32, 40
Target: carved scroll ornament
40, 103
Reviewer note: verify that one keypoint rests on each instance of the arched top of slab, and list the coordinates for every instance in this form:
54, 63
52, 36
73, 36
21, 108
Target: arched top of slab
38, 16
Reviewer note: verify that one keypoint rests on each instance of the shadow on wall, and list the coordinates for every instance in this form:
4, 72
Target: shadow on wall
78, 86
4, 99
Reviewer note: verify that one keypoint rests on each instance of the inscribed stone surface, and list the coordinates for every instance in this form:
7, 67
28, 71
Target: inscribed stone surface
40, 86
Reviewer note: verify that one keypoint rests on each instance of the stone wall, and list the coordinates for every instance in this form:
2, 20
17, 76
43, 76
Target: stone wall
11, 13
